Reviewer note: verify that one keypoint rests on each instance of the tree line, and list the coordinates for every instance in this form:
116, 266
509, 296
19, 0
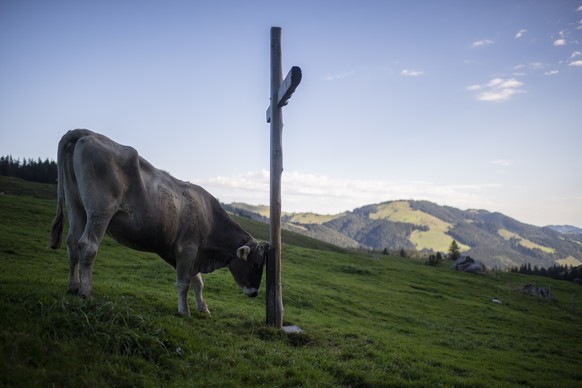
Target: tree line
42, 171
559, 272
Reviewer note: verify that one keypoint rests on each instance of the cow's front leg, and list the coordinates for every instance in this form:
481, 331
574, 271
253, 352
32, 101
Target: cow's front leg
183, 285
197, 287
183, 281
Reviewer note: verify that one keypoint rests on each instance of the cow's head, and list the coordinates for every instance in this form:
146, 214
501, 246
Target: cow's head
247, 266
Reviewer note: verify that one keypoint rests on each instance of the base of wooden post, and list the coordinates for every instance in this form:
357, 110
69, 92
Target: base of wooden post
274, 299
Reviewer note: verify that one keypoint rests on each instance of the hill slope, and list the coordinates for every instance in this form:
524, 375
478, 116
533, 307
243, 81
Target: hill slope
495, 239
308, 224
368, 321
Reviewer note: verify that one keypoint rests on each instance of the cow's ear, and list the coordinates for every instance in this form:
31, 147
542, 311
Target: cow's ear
243, 252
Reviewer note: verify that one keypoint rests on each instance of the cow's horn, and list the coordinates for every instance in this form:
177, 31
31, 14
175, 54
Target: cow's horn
243, 252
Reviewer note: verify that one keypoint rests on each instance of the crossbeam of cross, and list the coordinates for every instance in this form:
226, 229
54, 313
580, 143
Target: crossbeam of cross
286, 89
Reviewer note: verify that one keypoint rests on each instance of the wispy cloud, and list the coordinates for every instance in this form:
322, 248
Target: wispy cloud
411, 73
577, 63
502, 162
552, 72
536, 65
497, 89
579, 8
474, 88
497, 95
333, 77
504, 83
520, 33
323, 194
561, 41
576, 54
481, 43
528, 66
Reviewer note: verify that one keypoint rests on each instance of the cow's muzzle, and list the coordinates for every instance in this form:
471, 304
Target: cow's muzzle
251, 292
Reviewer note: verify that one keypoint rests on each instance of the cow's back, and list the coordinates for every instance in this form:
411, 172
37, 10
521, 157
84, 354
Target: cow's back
105, 167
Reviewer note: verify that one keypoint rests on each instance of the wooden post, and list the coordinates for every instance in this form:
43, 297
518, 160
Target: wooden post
281, 91
274, 297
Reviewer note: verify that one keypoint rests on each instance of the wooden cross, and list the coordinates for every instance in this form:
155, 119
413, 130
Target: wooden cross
281, 92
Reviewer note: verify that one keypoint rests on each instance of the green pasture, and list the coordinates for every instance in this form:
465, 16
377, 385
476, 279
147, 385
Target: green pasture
368, 321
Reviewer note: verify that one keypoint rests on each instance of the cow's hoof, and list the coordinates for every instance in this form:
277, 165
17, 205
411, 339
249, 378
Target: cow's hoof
203, 308
73, 291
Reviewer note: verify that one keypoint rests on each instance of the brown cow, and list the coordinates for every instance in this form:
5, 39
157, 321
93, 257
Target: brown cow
109, 188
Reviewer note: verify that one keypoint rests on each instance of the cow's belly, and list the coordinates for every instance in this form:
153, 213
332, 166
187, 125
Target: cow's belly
135, 233
147, 219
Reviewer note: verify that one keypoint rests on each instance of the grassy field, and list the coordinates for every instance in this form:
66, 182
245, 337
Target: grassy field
367, 321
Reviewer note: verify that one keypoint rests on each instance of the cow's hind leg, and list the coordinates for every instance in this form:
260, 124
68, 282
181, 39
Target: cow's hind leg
88, 245
73, 254
76, 225
197, 287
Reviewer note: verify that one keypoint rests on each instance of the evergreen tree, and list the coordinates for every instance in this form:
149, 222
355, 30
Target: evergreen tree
454, 251
434, 260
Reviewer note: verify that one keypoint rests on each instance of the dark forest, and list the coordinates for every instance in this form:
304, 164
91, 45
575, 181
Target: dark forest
29, 169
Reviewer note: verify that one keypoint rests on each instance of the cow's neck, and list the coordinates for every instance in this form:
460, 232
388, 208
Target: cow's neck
221, 246
228, 236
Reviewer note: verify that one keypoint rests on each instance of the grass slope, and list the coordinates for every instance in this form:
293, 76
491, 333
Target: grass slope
507, 235
368, 321
435, 237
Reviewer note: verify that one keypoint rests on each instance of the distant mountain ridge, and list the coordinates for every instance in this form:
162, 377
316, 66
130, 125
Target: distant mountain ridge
495, 239
565, 229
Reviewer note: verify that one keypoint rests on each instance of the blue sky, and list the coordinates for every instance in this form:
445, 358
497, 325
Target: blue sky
472, 104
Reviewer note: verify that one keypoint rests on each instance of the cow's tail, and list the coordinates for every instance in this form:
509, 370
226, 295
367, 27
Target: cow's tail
67, 142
